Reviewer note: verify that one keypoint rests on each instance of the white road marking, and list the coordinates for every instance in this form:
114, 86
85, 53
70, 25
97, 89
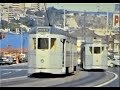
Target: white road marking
13, 78
16, 70
103, 84
13, 69
20, 64
6, 73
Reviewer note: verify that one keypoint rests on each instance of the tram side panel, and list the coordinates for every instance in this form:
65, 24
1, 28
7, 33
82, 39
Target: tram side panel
71, 68
68, 58
88, 59
31, 53
104, 56
56, 56
71, 59
74, 53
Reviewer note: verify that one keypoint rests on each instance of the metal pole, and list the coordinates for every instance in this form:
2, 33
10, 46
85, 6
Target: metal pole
21, 40
0, 46
1, 34
119, 34
107, 21
84, 32
64, 19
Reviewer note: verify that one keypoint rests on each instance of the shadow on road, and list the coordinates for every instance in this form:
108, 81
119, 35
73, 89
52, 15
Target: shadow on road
48, 75
91, 70
95, 70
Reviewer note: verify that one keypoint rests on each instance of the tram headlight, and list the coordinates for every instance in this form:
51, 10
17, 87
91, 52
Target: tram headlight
42, 60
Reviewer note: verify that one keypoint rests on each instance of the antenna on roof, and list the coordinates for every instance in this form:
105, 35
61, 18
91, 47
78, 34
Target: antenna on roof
47, 15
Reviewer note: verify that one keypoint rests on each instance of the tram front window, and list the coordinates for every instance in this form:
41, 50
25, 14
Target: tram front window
43, 43
90, 48
53, 42
96, 50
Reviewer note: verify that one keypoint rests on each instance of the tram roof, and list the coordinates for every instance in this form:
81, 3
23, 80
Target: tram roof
52, 30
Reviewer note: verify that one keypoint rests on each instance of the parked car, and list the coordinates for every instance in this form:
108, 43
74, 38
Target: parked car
22, 60
110, 62
116, 59
2, 61
7, 60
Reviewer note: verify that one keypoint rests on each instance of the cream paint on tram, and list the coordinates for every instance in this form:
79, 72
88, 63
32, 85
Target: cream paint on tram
57, 57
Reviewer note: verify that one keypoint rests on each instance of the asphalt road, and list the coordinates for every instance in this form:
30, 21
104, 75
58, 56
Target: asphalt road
15, 70
16, 75
115, 83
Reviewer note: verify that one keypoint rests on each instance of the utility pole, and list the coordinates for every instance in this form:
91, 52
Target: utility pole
21, 41
1, 34
84, 22
64, 19
119, 34
107, 26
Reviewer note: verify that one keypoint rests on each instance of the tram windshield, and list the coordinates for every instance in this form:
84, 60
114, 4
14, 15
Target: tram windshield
53, 42
90, 48
43, 43
96, 50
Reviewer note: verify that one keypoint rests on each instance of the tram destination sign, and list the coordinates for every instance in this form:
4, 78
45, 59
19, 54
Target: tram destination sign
43, 30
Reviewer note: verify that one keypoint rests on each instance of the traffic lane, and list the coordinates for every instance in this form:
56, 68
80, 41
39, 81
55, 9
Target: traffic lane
115, 83
94, 80
84, 81
17, 81
92, 77
14, 70
79, 79
43, 80
8, 73
15, 66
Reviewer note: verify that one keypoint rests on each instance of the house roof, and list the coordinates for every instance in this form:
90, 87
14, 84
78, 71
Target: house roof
87, 33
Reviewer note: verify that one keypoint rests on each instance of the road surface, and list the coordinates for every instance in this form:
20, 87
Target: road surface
16, 76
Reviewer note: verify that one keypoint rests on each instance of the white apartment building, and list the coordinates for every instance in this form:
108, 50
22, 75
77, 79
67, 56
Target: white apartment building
11, 10
37, 6
18, 5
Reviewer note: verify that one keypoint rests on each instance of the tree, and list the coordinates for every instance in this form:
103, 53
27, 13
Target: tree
29, 12
4, 24
39, 13
13, 26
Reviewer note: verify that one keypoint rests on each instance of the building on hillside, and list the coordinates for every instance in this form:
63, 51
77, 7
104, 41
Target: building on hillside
38, 6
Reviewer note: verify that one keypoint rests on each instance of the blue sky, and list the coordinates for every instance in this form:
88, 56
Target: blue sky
84, 6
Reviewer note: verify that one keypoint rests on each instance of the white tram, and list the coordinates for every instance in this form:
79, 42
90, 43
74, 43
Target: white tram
94, 55
51, 50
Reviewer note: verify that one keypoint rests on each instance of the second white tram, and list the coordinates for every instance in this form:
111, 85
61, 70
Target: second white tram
51, 50
94, 56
